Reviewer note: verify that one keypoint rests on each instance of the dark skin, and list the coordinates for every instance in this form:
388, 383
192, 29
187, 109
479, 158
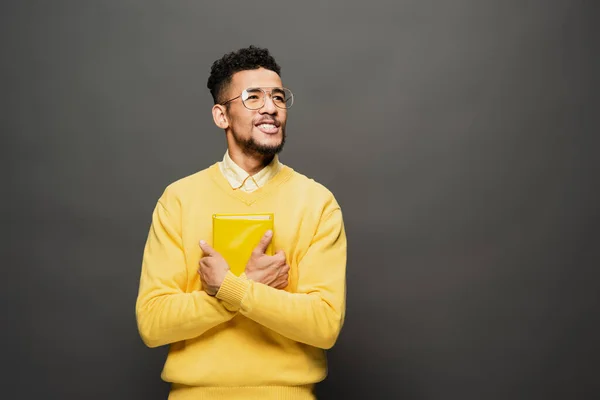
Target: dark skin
262, 268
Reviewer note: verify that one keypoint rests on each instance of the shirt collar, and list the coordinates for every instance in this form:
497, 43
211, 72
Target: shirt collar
240, 179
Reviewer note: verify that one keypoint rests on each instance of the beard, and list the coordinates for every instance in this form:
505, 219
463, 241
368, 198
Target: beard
251, 147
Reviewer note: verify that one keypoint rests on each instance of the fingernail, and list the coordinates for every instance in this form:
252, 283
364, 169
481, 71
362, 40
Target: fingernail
269, 232
202, 242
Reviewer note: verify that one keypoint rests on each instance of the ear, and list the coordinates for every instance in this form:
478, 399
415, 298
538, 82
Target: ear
220, 116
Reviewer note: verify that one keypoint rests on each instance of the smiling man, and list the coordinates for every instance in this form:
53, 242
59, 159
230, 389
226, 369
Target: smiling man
262, 334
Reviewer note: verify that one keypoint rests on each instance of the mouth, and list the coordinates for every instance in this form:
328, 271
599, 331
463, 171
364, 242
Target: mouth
268, 128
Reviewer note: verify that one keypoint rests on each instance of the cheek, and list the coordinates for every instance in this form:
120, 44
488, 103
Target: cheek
240, 124
243, 120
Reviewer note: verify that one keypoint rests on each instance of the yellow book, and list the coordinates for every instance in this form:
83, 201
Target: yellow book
236, 235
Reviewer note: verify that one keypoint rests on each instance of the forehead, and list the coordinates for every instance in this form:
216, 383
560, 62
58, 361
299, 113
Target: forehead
254, 78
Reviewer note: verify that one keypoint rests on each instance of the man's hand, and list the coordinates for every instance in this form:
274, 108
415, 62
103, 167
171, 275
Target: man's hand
270, 270
213, 269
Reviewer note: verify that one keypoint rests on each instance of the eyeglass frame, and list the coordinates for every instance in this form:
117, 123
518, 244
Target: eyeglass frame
270, 93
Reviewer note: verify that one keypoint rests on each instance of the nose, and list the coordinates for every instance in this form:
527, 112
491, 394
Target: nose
269, 106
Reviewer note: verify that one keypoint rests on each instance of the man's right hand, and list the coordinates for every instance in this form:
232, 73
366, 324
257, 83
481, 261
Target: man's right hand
270, 270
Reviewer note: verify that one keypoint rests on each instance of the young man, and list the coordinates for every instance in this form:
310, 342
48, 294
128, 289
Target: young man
262, 334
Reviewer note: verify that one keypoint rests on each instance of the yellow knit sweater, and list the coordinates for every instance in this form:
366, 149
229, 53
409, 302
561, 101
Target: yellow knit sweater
250, 340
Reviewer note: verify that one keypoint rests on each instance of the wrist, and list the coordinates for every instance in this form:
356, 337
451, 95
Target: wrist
233, 290
214, 289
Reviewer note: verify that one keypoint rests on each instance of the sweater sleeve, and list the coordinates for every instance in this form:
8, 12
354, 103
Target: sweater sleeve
315, 313
165, 312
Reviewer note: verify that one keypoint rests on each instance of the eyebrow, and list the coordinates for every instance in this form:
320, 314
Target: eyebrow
274, 88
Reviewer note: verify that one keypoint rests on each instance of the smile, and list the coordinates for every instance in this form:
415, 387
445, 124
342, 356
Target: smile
268, 128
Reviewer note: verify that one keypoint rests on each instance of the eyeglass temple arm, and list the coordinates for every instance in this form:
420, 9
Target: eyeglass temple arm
222, 104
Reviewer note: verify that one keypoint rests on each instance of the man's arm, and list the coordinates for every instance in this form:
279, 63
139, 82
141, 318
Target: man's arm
165, 313
315, 314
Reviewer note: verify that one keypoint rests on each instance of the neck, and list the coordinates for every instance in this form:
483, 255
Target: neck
251, 163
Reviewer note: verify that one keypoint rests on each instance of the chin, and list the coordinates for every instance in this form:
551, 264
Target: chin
262, 143
269, 140
269, 147
274, 140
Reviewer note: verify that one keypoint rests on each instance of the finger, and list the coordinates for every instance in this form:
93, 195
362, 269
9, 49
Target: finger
209, 251
205, 267
261, 248
282, 277
280, 256
282, 283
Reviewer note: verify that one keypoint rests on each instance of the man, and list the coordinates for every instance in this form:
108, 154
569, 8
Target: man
262, 334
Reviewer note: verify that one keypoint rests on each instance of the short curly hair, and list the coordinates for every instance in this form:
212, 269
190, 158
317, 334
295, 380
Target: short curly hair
222, 70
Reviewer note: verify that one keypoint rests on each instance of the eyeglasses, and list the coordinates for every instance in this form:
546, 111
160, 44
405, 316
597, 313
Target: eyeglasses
254, 98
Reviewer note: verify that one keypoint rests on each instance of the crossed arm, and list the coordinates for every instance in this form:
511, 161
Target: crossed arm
314, 314
165, 312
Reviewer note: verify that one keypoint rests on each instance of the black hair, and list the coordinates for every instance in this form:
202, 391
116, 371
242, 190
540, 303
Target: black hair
222, 70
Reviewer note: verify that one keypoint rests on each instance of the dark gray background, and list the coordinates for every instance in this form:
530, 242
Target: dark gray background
460, 138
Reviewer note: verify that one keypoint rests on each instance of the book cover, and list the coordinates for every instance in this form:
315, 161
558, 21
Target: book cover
236, 235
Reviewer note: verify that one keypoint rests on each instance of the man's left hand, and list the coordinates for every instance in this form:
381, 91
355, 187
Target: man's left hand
213, 269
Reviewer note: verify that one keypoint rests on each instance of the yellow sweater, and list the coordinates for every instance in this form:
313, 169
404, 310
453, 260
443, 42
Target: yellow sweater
250, 340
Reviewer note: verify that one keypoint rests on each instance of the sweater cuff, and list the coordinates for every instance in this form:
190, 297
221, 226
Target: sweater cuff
233, 289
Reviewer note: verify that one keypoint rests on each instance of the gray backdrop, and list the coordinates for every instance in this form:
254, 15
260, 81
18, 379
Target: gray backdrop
459, 137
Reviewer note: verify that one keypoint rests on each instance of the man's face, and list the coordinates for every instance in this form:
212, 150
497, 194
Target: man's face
255, 132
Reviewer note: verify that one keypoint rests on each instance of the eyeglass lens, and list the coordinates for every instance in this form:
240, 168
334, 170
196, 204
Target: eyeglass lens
254, 98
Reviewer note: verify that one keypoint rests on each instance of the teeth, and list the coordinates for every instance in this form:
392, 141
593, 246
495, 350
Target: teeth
267, 126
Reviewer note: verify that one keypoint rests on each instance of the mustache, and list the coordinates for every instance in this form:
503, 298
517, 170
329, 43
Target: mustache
268, 120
